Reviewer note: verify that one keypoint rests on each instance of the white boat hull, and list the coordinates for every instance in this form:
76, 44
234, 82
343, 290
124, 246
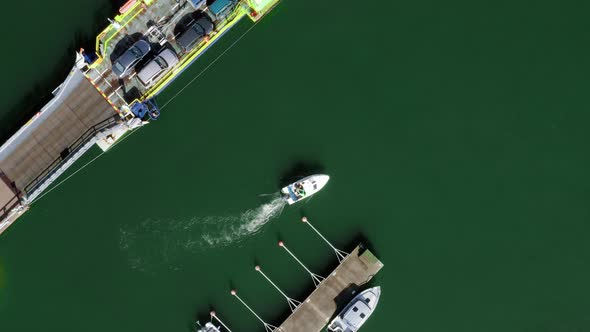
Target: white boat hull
357, 312
209, 327
304, 188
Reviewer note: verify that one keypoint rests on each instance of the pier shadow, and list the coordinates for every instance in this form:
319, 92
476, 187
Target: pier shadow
362, 240
299, 170
345, 296
25, 106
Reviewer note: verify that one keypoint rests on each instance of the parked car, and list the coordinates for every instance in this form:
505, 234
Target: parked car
222, 8
202, 27
157, 67
126, 62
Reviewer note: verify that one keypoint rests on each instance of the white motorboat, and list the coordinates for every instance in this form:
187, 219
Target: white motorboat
304, 188
209, 327
357, 312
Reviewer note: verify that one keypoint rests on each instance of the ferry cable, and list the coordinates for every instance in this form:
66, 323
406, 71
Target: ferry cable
208, 66
161, 108
67, 178
81, 168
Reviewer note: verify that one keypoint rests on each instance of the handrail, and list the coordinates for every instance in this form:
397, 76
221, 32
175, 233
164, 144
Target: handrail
5, 210
88, 134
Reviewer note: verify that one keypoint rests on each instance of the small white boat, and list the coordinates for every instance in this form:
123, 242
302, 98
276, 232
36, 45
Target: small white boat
304, 188
357, 312
209, 327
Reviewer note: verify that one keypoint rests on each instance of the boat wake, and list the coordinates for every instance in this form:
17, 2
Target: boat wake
164, 243
224, 231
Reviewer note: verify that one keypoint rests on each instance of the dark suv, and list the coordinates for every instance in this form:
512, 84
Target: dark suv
195, 33
125, 63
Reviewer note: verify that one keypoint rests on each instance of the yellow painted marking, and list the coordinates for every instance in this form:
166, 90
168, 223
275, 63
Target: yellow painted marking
191, 55
103, 39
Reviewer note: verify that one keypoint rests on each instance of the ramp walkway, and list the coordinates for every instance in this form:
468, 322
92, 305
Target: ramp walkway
49, 137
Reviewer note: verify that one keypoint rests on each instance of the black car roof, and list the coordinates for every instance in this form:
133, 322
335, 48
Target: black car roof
193, 33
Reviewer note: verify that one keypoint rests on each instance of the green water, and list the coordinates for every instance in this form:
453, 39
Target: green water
455, 135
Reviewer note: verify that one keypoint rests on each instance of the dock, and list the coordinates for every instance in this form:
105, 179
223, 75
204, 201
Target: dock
330, 296
357, 269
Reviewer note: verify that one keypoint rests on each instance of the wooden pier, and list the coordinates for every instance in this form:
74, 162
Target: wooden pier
333, 292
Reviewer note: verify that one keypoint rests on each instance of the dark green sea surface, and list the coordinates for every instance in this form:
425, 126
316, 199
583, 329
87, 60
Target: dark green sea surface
455, 134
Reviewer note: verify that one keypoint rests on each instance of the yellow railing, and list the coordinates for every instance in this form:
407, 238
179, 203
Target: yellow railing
103, 39
240, 13
247, 7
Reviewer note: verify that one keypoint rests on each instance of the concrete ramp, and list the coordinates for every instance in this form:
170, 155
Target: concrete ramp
50, 135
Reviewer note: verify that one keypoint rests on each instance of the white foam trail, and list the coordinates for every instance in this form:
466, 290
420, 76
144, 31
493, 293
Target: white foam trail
157, 243
248, 223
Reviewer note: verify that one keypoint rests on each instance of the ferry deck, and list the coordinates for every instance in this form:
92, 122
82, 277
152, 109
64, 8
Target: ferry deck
95, 106
160, 23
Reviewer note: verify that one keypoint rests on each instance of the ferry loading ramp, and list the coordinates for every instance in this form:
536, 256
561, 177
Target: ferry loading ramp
49, 137
92, 100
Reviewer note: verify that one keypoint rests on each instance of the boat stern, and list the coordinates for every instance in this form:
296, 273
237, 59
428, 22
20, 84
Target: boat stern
289, 195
